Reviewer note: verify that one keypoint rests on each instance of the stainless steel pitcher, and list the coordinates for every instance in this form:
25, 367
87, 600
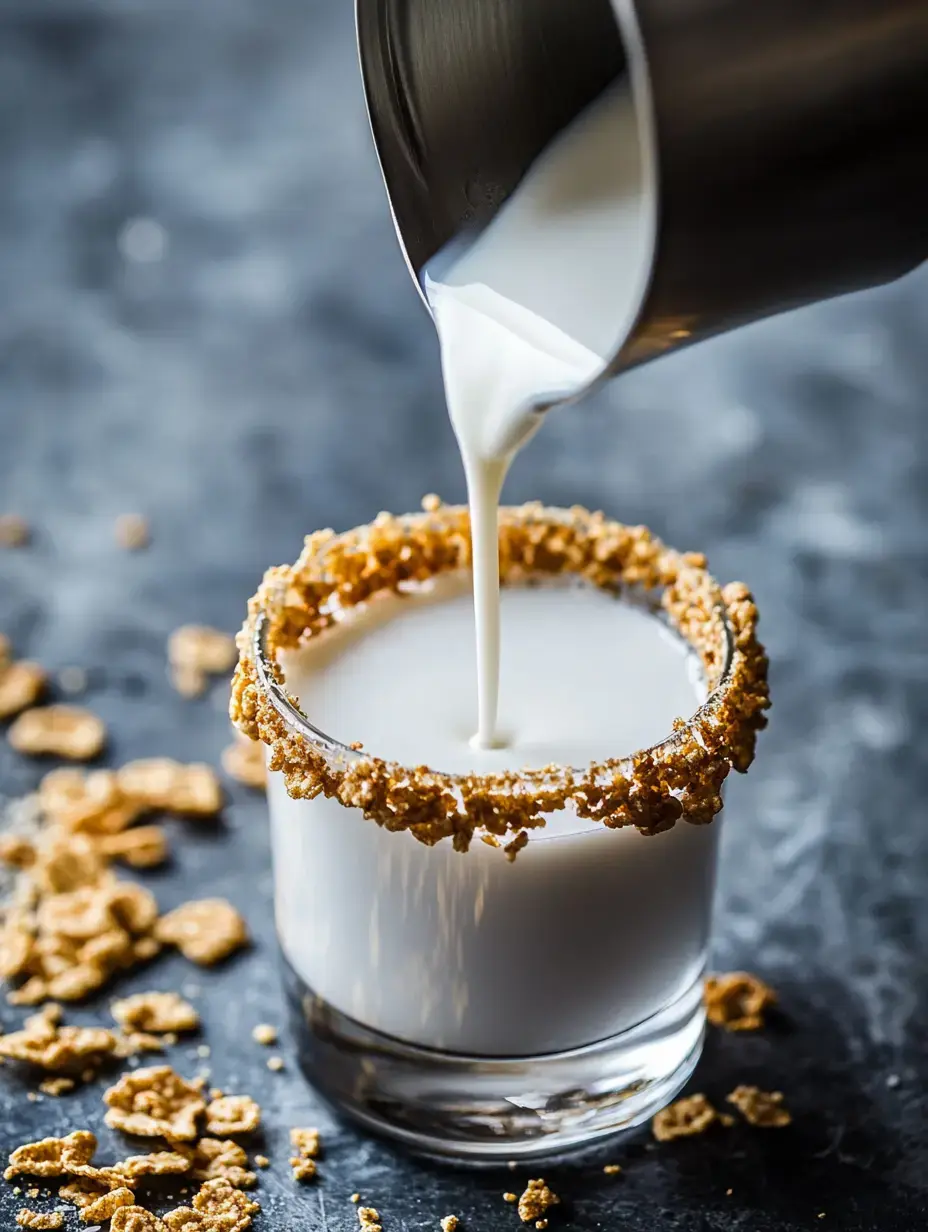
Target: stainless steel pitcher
789, 138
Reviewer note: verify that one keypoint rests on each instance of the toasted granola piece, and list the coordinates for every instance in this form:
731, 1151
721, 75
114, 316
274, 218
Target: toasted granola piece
224, 1207
132, 532
217, 1159
232, 1114
535, 1200
52, 1156
21, 686
155, 1012
107, 1205
205, 931
14, 531
737, 1001
155, 1102
763, 1108
684, 1119
244, 761
58, 731
135, 1219
41, 1222
142, 847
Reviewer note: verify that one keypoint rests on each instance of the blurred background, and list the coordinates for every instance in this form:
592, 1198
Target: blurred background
205, 318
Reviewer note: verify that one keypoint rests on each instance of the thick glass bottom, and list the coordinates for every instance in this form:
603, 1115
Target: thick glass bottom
495, 1108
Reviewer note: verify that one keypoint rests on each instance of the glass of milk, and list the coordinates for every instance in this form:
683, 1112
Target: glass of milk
461, 1001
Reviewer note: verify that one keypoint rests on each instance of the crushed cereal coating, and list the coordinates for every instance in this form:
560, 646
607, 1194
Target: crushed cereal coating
41, 1222
232, 1114
737, 1001
21, 686
155, 1102
535, 1200
679, 780
762, 1108
58, 731
205, 931
157, 1012
684, 1118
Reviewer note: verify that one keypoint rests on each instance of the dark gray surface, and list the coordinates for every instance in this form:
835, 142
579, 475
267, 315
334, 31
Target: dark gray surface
274, 372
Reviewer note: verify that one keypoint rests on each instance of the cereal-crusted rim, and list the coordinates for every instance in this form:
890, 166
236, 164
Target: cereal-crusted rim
680, 778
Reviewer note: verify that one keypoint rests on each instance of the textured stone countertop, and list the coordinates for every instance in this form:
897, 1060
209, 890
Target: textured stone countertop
204, 317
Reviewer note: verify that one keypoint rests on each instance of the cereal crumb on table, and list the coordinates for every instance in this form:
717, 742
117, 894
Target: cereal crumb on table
205, 931
132, 532
684, 1118
762, 1108
369, 1219
612, 1169
21, 686
536, 1199
265, 1034
450, 1223
41, 1222
156, 1012
64, 731
737, 1001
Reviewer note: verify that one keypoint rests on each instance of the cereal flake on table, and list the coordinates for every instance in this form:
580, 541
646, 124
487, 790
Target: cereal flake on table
71, 732
684, 1118
232, 1114
39, 1221
765, 1109
21, 685
205, 931
536, 1200
737, 1000
155, 1012
155, 1102
132, 531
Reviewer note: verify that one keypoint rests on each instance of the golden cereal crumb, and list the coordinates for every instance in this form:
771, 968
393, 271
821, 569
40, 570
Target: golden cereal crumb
431, 503
612, 1169
763, 1108
262, 1161
107, 1205
369, 1219
221, 1159
33, 1192
737, 1001
275, 1063
264, 1033
222, 1208
450, 1223
21, 686
510, 1197
155, 1102
232, 1114
52, 1156
41, 1222
541, 1223
684, 1118
355, 1197
56, 1086
536, 1199
155, 1012
303, 1169
132, 532
206, 931
58, 731
136, 1219
14, 531
307, 1142
244, 761
729, 1192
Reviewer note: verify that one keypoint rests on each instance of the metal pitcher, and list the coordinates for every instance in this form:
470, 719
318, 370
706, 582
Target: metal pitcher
789, 138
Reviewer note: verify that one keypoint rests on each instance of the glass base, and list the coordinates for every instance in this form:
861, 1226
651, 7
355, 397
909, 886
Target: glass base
495, 1108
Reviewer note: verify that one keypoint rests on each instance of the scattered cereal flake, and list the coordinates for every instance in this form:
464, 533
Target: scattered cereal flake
42, 1222
142, 847
684, 1118
21, 686
14, 531
224, 1207
58, 731
135, 1219
53, 1048
217, 1159
232, 1114
52, 1156
205, 931
56, 1086
155, 1102
369, 1219
262, 1161
244, 761
107, 1204
158, 1163
275, 1064
737, 1001
763, 1108
183, 1219
450, 1223
303, 1169
265, 1034
162, 784
155, 1012
198, 649
132, 532
612, 1169
536, 1199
